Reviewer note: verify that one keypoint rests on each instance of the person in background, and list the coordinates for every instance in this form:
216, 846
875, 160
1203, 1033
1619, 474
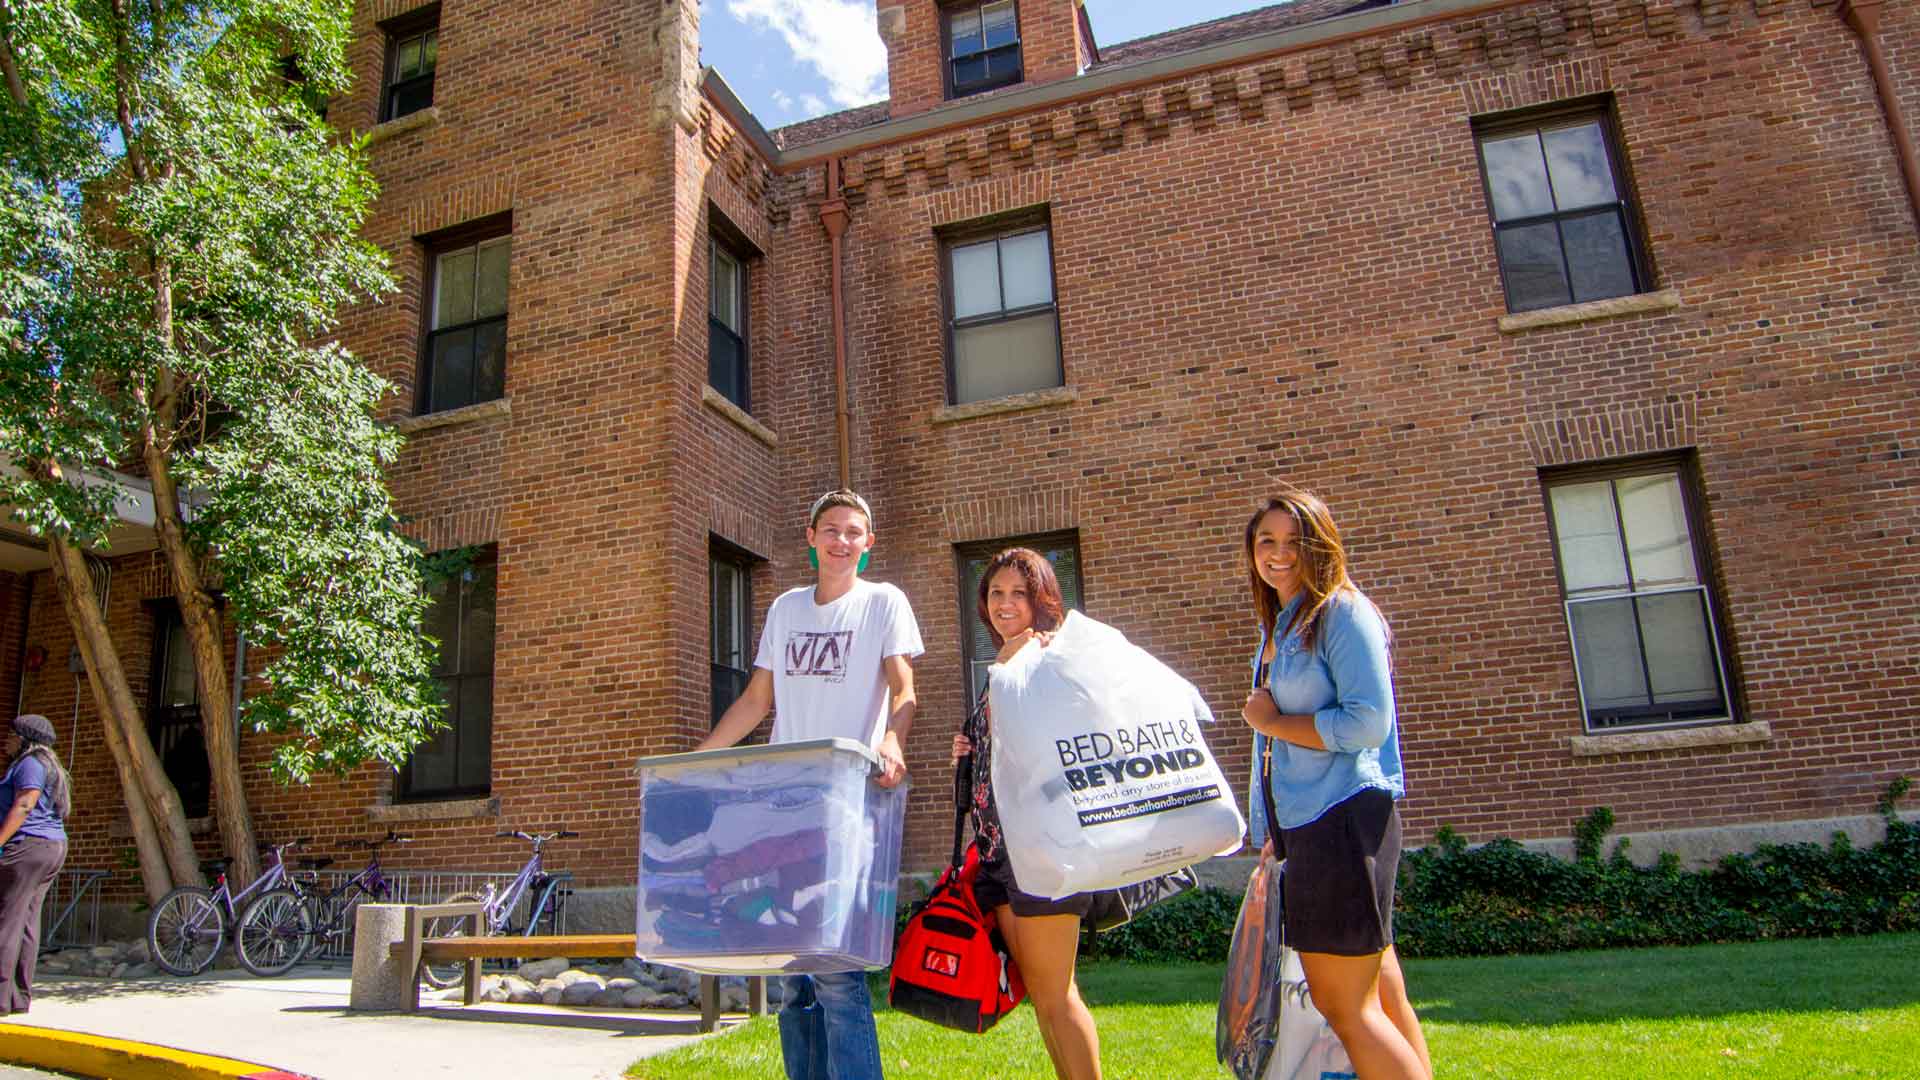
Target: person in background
35, 798
835, 661
1020, 602
1324, 714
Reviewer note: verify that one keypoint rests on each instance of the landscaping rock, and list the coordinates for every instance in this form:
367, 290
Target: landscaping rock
581, 992
575, 975
607, 999
550, 996
536, 970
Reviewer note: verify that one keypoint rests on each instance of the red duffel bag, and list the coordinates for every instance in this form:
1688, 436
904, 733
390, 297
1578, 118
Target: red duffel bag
950, 965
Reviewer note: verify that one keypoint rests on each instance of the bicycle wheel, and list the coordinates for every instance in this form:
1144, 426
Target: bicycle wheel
185, 931
441, 976
274, 931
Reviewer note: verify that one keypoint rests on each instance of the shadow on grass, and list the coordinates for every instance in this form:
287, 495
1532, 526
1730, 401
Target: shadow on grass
1825, 975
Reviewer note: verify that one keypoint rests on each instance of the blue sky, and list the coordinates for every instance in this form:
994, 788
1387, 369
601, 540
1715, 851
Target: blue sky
790, 60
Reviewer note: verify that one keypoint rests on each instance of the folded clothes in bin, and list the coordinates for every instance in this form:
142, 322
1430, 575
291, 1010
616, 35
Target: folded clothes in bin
767, 859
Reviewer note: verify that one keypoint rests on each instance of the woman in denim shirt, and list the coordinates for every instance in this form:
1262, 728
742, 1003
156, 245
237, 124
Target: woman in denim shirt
1322, 712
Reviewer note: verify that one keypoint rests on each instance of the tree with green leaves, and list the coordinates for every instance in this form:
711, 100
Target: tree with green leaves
178, 230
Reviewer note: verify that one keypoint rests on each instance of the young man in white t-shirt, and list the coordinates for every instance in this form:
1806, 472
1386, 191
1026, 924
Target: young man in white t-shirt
835, 660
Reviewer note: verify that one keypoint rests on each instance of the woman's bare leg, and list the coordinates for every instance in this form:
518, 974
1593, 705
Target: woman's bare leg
1346, 990
1045, 947
1398, 1006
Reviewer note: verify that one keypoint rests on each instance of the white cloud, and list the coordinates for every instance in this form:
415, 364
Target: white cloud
813, 105
782, 99
836, 38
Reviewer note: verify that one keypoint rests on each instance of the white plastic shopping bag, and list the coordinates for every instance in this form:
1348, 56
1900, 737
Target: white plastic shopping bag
1306, 1047
1100, 770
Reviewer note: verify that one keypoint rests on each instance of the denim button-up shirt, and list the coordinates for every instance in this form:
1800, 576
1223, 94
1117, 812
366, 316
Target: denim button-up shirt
1345, 682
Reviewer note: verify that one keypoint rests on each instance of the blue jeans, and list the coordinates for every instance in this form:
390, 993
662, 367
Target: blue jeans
826, 1028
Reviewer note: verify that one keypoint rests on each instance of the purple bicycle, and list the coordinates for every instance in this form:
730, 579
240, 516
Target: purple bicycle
541, 889
187, 927
279, 926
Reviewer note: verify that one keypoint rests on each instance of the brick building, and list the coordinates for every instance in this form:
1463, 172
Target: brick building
1594, 320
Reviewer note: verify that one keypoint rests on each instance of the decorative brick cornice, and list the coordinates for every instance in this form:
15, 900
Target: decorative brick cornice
1530, 49
1011, 515
1615, 433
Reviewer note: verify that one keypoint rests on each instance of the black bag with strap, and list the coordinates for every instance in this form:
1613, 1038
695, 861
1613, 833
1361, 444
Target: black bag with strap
950, 965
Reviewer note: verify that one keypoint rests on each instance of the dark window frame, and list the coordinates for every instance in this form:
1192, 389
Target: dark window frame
720, 552
951, 90
1000, 227
970, 599
194, 787
1627, 197
723, 236
399, 31
405, 789
433, 246
1685, 467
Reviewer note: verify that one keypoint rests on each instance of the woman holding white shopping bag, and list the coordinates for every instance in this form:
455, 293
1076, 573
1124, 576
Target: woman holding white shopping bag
1021, 604
1324, 712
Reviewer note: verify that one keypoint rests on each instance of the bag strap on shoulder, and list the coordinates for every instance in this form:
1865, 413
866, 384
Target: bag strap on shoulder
963, 780
1263, 761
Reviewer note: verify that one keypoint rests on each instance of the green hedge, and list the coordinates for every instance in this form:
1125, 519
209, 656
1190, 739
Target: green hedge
1503, 898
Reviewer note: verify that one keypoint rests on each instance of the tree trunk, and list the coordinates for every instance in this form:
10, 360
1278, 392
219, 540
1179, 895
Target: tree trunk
160, 832
201, 619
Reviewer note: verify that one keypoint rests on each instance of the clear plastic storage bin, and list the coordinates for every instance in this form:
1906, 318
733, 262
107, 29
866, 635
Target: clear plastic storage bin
763, 860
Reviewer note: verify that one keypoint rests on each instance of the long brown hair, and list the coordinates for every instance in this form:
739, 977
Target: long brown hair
59, 789
1043, 588
1323, 563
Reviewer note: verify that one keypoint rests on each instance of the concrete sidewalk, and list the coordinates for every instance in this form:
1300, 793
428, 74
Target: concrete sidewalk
300, 1023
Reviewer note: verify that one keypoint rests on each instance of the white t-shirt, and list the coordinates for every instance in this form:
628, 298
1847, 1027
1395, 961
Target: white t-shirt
825, 660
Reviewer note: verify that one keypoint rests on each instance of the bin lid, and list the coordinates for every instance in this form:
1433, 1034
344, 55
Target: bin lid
741, 755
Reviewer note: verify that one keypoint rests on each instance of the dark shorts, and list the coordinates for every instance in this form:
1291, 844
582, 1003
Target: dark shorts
1340, 874
994, 886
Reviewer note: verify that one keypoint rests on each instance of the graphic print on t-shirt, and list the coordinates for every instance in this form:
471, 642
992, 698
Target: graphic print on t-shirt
819, 653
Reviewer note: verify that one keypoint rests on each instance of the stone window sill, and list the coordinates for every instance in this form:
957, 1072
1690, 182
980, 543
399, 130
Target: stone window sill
414, 121
1644, 742
449, 810
1569, 314
717, 401
1012, 403
485, 410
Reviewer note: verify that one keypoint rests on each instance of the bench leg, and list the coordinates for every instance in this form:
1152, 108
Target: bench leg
757, 996
470, 992
709, 1002
410, 997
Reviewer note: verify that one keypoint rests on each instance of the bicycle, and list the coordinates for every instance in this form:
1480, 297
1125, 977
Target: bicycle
544, 909
279, 926
189, 924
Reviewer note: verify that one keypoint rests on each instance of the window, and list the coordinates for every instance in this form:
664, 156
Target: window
458, 761
1646, 645
977, 648
466, 353
727, 322
413, 48
173, 712
1563, 222
731, 576
1004, 330
983, 48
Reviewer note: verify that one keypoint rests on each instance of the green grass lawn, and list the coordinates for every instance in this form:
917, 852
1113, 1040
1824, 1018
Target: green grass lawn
1840, 1007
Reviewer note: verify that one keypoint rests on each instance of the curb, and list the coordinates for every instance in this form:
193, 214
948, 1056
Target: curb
122, 1059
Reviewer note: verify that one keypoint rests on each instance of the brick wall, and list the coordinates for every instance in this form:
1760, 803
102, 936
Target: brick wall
1051, 48
1281, 269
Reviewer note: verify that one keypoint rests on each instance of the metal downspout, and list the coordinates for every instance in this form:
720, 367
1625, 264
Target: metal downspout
1864, 17
833, 215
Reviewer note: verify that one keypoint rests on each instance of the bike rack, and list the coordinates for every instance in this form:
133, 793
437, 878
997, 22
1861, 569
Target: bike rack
425, 887
59, 924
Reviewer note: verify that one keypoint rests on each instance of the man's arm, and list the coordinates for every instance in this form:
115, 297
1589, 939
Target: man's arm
893, 758
745, 714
